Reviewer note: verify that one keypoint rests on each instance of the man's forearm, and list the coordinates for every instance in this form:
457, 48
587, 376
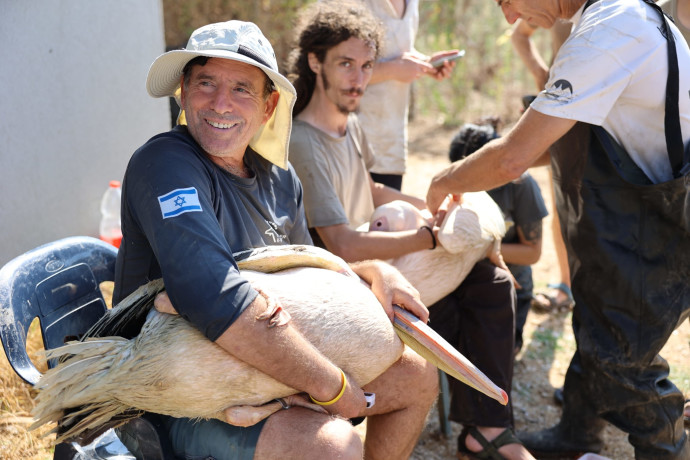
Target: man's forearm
281, 352
501, 160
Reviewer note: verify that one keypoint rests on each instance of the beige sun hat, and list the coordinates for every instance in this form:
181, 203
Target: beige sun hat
238, 41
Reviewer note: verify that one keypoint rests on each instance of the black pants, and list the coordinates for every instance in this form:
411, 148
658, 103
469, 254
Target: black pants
629, 265
479, 319
391, 180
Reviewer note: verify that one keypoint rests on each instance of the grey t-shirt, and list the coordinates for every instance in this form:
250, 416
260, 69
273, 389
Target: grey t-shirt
334, 173
183, 217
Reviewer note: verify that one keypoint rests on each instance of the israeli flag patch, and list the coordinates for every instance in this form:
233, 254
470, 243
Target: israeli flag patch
179, 201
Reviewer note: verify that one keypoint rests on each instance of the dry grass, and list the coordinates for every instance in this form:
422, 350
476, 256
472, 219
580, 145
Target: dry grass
15, 410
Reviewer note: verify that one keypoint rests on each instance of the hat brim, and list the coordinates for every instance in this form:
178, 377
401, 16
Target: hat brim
273, 138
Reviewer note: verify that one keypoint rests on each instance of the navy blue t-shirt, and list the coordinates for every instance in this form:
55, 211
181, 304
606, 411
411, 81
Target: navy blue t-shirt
183, 217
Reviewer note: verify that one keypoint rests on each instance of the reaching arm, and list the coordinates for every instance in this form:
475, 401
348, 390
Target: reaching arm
406, 68
501, 160
528, 52
353, 246
410, 66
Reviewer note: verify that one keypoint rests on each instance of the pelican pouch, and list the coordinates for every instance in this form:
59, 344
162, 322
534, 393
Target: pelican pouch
628, 243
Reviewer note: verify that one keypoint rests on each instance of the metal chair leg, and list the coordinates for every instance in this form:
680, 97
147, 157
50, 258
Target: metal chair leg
444, 404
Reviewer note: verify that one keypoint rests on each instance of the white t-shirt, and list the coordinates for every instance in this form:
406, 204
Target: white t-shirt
612, 72
384, 107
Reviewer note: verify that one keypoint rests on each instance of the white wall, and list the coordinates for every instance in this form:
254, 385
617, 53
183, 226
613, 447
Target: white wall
73, 108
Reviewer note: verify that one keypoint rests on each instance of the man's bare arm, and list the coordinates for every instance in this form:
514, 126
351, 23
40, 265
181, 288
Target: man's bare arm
528, 52
284, 354
501, 160
353, 246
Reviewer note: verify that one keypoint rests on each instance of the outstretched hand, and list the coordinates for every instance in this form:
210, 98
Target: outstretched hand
391, 288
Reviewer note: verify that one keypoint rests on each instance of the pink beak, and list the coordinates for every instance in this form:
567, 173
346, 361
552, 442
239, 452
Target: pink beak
432, 347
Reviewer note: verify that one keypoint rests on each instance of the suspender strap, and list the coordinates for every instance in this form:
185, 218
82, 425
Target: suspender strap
674, 137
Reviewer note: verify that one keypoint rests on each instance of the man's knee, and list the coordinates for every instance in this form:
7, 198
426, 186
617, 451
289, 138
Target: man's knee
338, 439
303, 434
422, 375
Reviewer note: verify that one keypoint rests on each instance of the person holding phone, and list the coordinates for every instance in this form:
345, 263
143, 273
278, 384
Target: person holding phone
384, 107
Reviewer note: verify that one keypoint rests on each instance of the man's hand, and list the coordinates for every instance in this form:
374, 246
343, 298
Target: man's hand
438, 193
162, 304
391, 288
440, 214
351, 404
444, 70
495, 256
410, 67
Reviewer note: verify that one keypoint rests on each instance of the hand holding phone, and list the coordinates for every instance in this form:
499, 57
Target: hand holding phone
438, 62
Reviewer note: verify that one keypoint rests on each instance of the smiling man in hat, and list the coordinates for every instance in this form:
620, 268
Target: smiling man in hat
222, 184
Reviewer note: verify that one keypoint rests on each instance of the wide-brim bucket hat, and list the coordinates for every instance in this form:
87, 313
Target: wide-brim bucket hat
238, 41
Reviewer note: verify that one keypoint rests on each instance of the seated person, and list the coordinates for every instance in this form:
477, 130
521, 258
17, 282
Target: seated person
194, 196
523, 209
331, 66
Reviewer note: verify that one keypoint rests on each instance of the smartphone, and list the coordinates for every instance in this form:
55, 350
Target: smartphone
451, 57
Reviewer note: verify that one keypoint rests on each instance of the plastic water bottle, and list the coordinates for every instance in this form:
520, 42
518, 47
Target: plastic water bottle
110, 230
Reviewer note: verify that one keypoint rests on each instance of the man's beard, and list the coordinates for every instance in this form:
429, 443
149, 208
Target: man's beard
341, 108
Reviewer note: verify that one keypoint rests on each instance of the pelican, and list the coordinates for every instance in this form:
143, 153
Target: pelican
468, 231
171, 368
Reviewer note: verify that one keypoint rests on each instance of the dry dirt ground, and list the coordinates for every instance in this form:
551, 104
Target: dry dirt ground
538, 369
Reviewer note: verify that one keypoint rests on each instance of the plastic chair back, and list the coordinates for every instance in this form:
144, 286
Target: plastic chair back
58, 283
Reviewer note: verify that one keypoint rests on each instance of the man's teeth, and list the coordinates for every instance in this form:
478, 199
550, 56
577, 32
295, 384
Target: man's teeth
220, 125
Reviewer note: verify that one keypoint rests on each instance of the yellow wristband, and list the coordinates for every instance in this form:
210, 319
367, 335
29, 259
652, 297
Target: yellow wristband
340, 395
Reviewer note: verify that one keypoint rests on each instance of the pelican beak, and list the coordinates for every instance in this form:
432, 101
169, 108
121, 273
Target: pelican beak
432, 347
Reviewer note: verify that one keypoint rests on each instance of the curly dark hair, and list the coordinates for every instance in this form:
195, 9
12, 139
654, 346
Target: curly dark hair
471, 137
320, 27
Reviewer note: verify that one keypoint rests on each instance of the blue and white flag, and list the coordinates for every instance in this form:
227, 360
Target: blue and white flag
179, 201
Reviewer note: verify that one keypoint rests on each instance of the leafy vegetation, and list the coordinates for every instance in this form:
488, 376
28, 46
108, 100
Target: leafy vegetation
489, 80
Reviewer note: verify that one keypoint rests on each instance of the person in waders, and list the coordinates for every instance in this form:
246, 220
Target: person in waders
615, 116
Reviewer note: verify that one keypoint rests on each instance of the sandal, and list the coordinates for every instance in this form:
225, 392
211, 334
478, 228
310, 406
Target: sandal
545, 302
490, 451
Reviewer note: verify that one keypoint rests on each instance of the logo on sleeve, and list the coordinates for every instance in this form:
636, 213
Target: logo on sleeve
272, 231
179, 201
561, 91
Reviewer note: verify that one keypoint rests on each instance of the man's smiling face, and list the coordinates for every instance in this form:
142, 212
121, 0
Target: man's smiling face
225, 105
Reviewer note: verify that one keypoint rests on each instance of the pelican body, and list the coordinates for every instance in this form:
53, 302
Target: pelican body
171, 368
467, 232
